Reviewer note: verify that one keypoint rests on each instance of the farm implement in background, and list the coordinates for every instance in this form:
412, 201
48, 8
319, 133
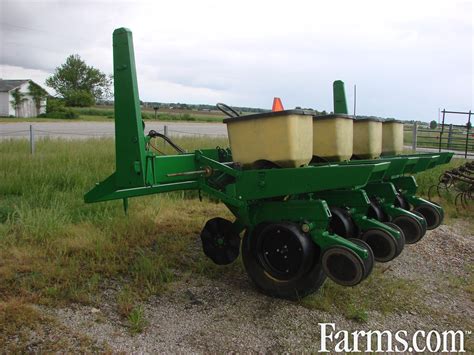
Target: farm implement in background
459, 180
303, 216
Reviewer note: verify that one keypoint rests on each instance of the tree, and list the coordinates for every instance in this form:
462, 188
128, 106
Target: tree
38, 94
17, 99
78, 83
433, 124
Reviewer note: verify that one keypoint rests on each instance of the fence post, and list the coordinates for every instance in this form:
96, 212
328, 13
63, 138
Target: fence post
165, 132
450, 135
442, 130
32, 140
414, 138
467, 134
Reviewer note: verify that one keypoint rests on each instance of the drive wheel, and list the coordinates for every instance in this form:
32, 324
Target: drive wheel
432, 216
282, 261
411, 227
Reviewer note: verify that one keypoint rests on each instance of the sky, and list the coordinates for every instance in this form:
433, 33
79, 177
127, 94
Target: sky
407, 58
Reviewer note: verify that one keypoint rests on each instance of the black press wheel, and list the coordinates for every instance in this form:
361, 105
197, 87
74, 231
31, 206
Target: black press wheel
401, 241
219, 242
341, 223
370, 261
441, 210
424, 225
282, 261
411, 227
383, 244
343, 266
432, 215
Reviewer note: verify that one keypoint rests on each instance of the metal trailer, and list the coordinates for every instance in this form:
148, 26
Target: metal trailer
299, 225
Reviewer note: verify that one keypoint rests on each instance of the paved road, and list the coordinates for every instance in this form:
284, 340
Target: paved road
81, 130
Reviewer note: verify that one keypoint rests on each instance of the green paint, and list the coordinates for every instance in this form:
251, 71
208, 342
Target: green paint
339, 95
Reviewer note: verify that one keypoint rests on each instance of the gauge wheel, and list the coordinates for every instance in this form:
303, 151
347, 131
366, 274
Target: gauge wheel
376, 212
341, 223
401, 202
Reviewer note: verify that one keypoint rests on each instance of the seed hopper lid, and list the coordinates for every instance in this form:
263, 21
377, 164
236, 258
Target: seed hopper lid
332, 116
266, 115
392, 120
371, 119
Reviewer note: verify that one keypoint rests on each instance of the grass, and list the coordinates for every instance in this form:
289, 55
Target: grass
463, 282
136, 320
54, 248
24, 329
429, 178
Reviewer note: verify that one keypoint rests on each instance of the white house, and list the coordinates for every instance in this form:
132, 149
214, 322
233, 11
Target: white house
27, 108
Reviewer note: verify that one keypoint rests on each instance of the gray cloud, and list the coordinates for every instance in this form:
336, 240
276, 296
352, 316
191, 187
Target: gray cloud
406, 58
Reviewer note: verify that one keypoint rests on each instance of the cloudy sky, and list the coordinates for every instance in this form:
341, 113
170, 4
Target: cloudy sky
407, 58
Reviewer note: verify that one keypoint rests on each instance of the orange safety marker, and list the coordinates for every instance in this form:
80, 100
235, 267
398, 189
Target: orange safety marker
277, 105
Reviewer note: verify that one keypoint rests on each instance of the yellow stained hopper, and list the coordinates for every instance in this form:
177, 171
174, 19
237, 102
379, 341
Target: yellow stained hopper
367, 138
392, 137
284, 138
332, 137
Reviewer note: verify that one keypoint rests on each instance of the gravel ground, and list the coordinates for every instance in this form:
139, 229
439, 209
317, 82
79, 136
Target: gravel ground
203, 315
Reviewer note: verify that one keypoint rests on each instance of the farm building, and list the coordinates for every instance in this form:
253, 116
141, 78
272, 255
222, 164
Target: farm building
21, 98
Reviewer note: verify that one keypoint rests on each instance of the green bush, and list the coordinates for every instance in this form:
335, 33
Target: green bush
91, 111
64, 114
55, 105
55, 108
81, 98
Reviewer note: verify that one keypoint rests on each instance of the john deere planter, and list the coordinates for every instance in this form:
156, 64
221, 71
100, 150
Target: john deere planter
301, 219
